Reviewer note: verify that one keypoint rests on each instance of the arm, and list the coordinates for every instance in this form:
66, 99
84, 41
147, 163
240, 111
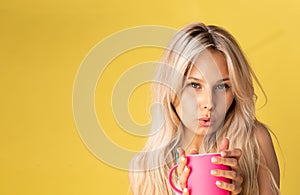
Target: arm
269, 159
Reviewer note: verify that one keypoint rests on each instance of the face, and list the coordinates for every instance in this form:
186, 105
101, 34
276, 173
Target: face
206, 95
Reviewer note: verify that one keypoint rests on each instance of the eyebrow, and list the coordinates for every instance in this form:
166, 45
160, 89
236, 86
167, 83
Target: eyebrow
221, 80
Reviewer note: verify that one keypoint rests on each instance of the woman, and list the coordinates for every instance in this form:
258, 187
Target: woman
206, 103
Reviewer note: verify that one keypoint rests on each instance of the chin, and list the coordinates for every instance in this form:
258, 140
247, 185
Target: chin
203, 131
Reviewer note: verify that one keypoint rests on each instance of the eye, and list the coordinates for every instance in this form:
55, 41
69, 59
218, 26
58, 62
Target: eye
222, 86
194, 85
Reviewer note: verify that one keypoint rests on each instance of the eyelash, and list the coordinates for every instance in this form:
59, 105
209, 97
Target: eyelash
223, 85
219, 86
194, 85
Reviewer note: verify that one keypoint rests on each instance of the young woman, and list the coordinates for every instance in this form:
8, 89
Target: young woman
205, 103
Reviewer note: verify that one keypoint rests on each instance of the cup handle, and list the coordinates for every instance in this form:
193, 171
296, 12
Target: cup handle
171, 182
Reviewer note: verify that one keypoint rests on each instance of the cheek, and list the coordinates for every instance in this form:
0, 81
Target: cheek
229, 100
187, 107
223, 103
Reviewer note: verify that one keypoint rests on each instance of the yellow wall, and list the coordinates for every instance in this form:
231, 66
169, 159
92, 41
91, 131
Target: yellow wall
43, 44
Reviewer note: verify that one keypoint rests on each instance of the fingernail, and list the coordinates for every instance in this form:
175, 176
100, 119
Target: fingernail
214, 160
186, 169
218, 183
179, 150
185, 190
223, 154
182, 158
213, 172
193, 151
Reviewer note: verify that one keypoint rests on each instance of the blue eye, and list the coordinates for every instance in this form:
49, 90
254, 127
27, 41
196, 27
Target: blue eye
222, 86
195, 85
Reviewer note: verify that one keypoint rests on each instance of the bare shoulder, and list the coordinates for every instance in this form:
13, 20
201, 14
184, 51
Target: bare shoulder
263, 136
267, 150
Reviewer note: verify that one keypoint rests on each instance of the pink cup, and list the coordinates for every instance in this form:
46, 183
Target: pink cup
200, 180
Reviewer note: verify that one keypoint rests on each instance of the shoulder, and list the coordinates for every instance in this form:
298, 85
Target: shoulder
269, 157
263, 135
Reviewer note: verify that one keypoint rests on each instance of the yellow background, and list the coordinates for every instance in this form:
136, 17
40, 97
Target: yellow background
42, 44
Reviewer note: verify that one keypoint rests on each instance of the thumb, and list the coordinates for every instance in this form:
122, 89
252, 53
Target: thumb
193, 151
224, 144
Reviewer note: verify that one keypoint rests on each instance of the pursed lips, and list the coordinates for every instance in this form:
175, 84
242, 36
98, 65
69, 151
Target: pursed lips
205, 121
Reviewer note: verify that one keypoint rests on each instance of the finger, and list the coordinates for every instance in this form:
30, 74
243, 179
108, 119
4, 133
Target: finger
224, 144
183, 177
235, 153
233, 175
232, 162
232, 187
185, 191
193, 151
181, 161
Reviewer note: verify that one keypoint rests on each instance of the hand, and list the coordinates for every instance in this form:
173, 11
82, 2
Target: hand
183, 170
231, 159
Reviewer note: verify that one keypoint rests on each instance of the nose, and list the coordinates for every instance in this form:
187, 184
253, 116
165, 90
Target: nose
206, 102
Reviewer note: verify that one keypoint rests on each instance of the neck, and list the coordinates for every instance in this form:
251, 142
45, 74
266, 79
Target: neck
192, 142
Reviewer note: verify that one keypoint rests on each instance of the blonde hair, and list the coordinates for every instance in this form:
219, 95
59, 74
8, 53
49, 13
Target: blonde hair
150, 167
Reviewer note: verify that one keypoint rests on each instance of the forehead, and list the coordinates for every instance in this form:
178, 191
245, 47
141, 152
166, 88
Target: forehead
210, 65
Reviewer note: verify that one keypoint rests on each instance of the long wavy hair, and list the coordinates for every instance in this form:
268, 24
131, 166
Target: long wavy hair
149, 168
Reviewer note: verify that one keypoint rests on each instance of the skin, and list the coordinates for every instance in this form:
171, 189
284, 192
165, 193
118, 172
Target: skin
207, 93
268, 151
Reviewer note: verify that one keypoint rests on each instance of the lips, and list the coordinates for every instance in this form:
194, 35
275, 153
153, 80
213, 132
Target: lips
205, 122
